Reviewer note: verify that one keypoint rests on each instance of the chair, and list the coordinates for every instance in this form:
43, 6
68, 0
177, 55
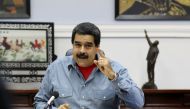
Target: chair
69, 52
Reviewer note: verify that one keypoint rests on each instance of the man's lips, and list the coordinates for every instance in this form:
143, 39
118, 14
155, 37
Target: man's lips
82, 56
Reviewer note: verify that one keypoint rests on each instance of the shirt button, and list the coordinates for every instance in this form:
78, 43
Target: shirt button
63, 94
83, 97
82, 107
104, 97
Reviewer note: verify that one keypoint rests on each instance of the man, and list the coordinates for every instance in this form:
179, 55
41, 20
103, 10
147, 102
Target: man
87, 79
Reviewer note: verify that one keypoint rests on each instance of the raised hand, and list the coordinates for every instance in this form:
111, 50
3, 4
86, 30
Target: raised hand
104, 65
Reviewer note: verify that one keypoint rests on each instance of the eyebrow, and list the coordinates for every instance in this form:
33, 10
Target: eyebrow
89, 43
77, 42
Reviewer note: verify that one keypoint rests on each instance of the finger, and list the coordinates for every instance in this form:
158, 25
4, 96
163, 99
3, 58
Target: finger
96, 62
101, 53
67, 106
99, 65
99, 61
64, 106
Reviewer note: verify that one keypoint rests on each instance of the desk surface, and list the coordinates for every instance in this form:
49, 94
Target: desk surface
154, 99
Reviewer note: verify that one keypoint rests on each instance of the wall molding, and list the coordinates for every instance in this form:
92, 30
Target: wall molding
132, 31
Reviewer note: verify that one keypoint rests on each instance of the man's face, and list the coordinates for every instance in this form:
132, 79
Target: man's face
84, 50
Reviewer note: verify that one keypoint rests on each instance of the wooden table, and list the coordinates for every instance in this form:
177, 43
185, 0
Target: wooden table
154, 99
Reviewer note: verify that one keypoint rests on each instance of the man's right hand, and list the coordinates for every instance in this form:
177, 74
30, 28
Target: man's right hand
64, 106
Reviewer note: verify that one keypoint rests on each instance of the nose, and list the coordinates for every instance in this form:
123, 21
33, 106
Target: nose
82, 50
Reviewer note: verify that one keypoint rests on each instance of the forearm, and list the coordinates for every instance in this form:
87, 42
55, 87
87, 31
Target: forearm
127, 90
134, 98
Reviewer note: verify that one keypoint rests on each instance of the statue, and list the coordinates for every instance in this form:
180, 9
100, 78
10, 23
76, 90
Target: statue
151, 60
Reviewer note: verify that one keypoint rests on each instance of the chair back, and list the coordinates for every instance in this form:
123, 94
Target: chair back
69, 52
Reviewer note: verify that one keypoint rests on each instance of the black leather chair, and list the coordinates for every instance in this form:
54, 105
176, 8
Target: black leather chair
69, 52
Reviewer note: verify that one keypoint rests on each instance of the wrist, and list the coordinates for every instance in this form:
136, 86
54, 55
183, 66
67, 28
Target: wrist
113, 76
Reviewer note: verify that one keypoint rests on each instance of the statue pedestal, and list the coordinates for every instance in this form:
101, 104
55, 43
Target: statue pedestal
149, 85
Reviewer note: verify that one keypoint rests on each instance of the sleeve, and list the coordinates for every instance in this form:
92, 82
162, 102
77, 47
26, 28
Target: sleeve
44, 93
126, 89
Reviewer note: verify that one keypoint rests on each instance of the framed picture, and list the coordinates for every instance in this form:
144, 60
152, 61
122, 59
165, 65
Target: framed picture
14, 9
26, 46
152, 9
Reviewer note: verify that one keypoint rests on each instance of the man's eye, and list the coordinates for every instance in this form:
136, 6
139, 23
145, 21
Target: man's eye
88, 46
77, 45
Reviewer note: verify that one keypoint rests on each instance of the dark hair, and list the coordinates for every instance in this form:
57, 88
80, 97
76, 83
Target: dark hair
87, 28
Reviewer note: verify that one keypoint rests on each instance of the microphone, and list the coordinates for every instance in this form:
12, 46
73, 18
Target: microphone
54, 96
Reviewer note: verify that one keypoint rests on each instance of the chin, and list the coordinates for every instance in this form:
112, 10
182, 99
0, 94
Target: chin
83, 64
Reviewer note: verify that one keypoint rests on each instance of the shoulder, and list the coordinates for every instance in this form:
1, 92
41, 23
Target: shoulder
61, 61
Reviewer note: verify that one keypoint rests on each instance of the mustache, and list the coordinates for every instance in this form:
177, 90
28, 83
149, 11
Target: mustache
82, 55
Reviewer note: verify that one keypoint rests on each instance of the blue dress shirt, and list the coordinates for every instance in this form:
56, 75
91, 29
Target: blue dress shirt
97, 92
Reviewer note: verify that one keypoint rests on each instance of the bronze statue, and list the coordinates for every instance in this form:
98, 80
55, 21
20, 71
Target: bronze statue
151, 60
